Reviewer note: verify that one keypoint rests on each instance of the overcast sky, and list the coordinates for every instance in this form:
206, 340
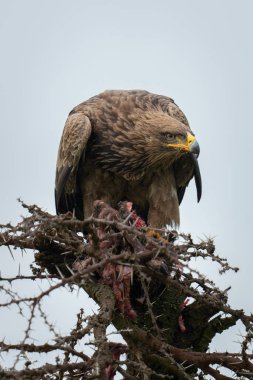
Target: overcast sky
55, 54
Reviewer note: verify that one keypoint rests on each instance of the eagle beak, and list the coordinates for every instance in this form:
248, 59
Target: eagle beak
197, 176
192, 146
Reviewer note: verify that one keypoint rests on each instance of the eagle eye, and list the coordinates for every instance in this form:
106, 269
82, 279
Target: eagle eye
167, 136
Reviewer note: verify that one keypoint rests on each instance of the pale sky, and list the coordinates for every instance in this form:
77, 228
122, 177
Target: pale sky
55, 54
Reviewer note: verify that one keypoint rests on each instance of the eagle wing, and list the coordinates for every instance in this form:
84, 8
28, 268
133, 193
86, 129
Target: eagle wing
73, 144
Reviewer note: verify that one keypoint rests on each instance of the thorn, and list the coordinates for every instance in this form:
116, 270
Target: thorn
136, 221
48, 279
59, 271
169, 328
240, 362
128, 217
120, 275
65, 253
189, 366
71, 271
10, 252
19, 270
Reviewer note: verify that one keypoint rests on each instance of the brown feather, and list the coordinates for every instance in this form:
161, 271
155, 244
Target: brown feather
73, 144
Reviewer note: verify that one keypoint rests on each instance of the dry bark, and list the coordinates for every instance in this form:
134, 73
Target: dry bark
165, 339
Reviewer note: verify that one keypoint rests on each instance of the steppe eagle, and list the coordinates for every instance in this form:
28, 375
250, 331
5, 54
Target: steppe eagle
127, 145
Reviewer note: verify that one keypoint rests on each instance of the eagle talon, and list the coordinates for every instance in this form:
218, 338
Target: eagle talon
153, 234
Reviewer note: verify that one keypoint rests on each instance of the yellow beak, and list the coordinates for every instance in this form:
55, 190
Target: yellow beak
189, 141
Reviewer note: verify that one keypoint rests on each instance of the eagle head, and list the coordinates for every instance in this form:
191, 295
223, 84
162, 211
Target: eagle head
167, 142
180, 142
